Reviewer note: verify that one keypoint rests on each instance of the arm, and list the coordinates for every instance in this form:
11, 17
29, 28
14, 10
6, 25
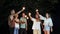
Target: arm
17, 20
51, 24
41, 17
9, 21
21, 10
31, 17
26, 24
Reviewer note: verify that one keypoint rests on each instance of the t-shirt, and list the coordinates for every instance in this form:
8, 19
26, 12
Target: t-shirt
17, 24
36, 25
47, 22
24, 24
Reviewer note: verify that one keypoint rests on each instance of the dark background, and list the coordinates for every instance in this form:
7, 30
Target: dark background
43, 5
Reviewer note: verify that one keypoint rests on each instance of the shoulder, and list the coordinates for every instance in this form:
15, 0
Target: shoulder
50, 19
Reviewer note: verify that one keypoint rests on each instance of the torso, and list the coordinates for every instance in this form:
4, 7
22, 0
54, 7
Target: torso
46, 22
36, 24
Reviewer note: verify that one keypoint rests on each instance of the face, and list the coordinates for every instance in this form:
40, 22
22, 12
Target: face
23, 14
36, 16
47, 15
12, 12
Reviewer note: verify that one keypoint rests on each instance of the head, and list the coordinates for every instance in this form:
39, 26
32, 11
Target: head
23, 14
12, 12
47, 15
37, 16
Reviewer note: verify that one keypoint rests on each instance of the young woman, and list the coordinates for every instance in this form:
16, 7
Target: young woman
48, 24
16, 29
36, 24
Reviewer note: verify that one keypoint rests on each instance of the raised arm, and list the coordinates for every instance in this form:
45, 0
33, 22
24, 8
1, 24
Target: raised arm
31, 17
21, 10
41, 17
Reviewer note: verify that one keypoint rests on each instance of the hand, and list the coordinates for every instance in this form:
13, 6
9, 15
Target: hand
29, 14
23, 8
25, 15
51, 30
26, 29
36, 10
22, 22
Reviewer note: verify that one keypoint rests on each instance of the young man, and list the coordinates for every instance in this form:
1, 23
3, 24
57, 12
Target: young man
23, 24
11, 22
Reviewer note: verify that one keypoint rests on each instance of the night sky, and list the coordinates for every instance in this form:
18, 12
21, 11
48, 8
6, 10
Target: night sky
43, 5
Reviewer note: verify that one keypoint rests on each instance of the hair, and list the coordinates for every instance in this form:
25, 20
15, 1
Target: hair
38, 17
48, 14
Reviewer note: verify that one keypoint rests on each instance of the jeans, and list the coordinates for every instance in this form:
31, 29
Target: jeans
16, 31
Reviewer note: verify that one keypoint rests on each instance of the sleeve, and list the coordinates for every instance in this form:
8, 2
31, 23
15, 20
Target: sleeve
50, 22
32, 19
41, 17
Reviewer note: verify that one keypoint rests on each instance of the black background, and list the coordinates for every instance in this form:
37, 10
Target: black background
43, 5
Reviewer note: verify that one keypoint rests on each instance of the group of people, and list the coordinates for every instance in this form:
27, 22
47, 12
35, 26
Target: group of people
16, 24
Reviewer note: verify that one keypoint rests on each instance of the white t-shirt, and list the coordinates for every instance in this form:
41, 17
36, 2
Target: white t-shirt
36, 25
46, 21
17, 24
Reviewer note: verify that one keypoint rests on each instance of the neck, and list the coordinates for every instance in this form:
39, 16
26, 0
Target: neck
37, 18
